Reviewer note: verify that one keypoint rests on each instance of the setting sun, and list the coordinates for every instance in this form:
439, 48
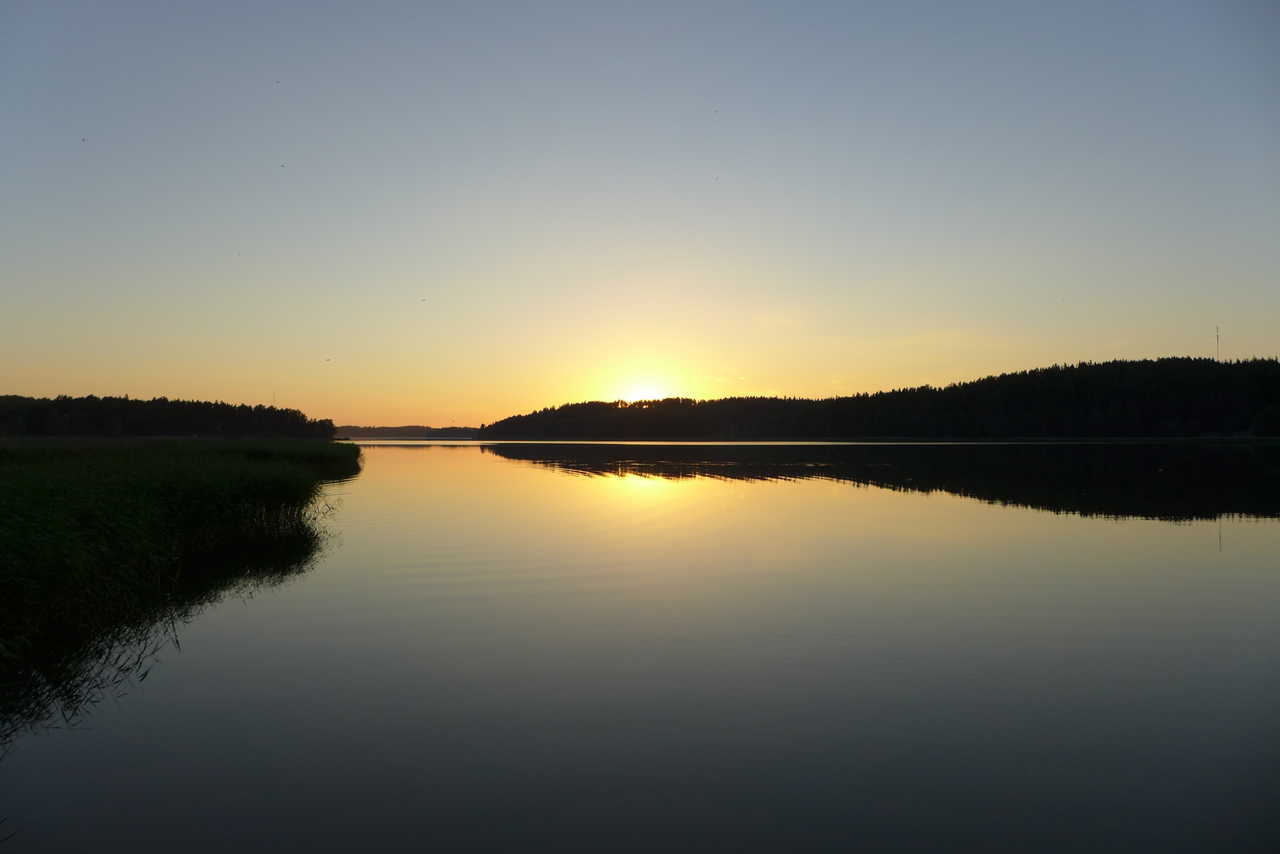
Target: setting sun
644, 391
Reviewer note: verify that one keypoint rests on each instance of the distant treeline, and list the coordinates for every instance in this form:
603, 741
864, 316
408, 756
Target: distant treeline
409, 431
160, 416
1161, 397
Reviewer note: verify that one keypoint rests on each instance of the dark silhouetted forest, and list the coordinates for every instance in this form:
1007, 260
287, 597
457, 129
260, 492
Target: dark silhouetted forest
124, 416
1161, 397
408, 431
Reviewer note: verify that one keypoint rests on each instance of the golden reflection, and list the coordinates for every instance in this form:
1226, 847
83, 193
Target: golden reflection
644, 486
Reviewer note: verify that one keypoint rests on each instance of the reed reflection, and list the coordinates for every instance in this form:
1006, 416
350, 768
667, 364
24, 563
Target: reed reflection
1173, 482
60, 682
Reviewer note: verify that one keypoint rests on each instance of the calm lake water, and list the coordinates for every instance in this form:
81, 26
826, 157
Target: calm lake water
774, 648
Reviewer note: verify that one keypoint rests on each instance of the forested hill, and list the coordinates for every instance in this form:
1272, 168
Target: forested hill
124, 416
1161, 397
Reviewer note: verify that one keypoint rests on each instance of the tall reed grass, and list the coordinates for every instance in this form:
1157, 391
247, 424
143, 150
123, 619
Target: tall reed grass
101, 541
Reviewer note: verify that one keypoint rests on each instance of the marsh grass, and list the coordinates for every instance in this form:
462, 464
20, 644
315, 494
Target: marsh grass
105, 544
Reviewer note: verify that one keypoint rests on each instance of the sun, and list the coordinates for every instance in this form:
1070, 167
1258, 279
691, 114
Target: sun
645, 390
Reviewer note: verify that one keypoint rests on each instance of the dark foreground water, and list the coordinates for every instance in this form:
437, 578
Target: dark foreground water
533, 647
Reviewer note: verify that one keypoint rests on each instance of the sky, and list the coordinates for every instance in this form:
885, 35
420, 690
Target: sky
446, 213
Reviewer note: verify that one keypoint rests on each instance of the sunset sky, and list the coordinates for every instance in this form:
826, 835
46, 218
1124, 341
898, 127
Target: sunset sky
445, 213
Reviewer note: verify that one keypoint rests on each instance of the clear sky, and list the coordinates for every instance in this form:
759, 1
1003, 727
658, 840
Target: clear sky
442, 213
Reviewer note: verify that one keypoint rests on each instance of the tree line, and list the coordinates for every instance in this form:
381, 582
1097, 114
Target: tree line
160, 416
1155, 397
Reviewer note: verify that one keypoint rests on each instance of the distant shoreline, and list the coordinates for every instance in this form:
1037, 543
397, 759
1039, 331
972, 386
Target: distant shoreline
404, 431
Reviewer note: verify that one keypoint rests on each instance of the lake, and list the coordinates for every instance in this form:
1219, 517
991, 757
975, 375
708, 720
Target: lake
727, 647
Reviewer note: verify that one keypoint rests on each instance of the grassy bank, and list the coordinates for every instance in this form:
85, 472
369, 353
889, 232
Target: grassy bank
102, 537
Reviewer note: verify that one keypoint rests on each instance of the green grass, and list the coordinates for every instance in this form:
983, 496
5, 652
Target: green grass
102, 539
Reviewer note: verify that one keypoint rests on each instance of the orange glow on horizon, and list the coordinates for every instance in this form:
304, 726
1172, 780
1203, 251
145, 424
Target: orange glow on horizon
644, 390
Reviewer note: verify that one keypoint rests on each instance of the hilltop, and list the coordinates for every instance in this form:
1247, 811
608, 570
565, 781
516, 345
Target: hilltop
1169, 397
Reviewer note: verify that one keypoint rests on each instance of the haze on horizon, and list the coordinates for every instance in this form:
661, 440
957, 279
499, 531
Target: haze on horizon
447, 213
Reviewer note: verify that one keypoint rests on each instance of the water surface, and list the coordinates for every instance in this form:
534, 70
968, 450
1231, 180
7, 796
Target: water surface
523, 647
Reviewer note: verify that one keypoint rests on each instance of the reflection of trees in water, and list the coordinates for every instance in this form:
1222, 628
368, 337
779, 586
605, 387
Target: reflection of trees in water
88, 661
1176, 482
